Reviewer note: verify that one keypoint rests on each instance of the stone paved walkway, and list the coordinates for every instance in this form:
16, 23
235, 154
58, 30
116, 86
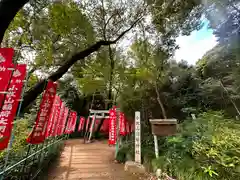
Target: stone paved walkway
94, 161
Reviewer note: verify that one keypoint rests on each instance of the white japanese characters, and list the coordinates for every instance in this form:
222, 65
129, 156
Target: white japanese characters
8, 110
112, 126
137, 137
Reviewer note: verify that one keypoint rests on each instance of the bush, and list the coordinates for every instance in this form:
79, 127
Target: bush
207, 148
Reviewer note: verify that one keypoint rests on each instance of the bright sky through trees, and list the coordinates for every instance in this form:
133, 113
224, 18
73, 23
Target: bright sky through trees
193, 47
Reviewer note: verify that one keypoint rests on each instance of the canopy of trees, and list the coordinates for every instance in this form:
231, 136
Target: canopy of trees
106, 52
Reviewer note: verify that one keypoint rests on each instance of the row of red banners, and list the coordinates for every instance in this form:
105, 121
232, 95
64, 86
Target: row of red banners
11, 82
124, 127
53, 118
52, 115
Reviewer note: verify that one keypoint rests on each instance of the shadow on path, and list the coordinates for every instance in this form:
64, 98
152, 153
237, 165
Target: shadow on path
88, 162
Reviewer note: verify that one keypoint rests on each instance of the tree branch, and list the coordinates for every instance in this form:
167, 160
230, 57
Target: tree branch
33, 93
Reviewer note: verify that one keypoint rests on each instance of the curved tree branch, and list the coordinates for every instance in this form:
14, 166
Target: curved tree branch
33, 93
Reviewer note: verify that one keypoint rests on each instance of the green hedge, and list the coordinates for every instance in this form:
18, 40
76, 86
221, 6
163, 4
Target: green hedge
207, 148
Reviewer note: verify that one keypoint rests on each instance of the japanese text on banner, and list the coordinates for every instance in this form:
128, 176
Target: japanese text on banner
10, 104
39, 131
74, 121
66, 110
112, 127
6, 68
81, 123
51, 122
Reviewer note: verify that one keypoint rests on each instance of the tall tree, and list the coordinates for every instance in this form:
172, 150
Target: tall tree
59, 29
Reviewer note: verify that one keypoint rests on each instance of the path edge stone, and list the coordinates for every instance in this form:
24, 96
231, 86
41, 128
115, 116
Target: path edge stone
134, 168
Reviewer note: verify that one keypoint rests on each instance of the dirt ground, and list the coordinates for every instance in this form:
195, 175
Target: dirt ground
94, 161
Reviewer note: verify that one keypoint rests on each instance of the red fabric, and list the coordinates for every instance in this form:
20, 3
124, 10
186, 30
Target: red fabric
6, 55
74, 121
112, 127
39, 131
56, 109
10, 104
5, 76
60, 119
81, 123
57, 117
69, 121
65, 115
50, 125
122, 124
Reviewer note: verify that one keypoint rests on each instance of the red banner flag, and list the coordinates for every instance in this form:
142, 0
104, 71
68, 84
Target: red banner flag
10, 104
112, 127
57, 117
69, 121
122, 124
60, 119
81, 123
74, 121
38, 133
6, 68
65, 115
51, 122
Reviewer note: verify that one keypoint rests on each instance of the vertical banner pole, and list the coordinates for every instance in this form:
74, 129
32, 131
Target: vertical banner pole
137, 137
117, 131
156, 146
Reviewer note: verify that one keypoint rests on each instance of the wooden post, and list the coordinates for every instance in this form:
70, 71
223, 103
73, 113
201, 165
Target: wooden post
156, 146
137, 137
92, 127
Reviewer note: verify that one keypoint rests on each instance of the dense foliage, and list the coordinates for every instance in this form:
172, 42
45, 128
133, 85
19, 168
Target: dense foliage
21, 155
122, 52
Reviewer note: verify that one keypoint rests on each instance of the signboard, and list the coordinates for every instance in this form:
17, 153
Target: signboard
137, 137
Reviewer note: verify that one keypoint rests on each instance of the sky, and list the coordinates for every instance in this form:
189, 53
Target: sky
193, 47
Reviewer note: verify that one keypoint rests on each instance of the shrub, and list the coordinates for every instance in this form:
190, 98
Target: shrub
207, 148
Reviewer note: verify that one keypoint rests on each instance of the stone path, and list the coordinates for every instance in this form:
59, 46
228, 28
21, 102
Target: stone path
94, 161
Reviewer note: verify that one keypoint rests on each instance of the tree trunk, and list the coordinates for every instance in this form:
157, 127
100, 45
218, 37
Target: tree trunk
8, 10
110, 99
160, 102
